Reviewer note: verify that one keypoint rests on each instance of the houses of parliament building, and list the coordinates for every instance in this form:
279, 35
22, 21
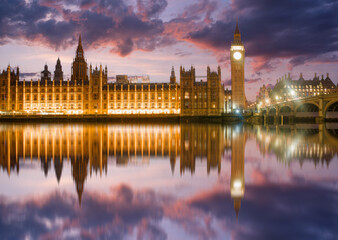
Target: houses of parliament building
88, 92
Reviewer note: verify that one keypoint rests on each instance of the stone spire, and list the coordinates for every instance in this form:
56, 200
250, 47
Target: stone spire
79, 50
172, 76
237, 35
237, 28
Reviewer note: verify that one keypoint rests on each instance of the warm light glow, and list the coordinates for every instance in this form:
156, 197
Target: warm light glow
240, 48
237, 184
237, 55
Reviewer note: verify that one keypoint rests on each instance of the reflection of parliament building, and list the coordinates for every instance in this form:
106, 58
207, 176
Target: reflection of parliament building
89, 148
89, 92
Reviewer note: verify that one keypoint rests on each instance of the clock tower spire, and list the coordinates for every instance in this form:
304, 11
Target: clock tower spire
237, 55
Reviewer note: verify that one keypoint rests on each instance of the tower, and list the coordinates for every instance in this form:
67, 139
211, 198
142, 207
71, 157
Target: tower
58, 74
172, 76
45, 75
187, 80
237, 56
79, 67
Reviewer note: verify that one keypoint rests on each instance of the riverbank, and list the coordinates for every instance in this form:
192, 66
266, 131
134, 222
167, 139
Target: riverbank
228, 118
174, 118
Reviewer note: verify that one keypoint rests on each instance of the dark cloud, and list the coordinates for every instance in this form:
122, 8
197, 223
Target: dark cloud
299, 30
29, 74
151, 8
102, 23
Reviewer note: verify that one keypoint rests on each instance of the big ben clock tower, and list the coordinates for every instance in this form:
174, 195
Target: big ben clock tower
237, 55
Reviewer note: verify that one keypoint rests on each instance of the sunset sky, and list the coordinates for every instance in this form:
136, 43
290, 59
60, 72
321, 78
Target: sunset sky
137, 37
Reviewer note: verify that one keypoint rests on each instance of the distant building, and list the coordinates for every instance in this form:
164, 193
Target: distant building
139, 79
122, 79
264, 94
287, 89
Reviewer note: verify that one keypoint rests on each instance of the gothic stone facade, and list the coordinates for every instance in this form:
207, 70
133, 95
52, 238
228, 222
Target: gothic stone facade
85, 95
204, 98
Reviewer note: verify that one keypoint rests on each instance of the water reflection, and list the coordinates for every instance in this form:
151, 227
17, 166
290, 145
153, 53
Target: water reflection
237, 183
90, 150
88, 147
317, 144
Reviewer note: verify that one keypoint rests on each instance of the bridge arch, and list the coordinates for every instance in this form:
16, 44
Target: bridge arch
285, 109
307, 107
307, 110
272, 111
331, 109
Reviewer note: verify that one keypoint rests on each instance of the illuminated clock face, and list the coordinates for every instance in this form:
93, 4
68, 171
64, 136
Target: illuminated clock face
237, 55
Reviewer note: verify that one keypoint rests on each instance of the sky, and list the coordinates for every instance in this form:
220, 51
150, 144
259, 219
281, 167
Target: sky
147, 37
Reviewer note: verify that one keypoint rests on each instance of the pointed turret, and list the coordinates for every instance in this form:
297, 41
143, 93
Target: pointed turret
237, 35
237, 28
172, 76
58, 73
79, 67
79, 50
45, 75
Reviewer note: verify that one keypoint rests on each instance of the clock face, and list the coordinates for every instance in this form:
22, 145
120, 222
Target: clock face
237, 55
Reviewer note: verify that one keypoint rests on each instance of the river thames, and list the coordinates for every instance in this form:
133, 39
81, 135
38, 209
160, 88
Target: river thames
168, 181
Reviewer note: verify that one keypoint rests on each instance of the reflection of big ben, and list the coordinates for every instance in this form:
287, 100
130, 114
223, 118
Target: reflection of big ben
237, 55
237, 184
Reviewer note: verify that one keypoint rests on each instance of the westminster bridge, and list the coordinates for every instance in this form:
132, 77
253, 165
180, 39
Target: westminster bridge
320, 108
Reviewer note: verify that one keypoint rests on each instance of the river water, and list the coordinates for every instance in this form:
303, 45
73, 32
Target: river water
168, 181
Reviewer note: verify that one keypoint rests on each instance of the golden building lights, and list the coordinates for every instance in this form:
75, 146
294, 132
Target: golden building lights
88, 91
